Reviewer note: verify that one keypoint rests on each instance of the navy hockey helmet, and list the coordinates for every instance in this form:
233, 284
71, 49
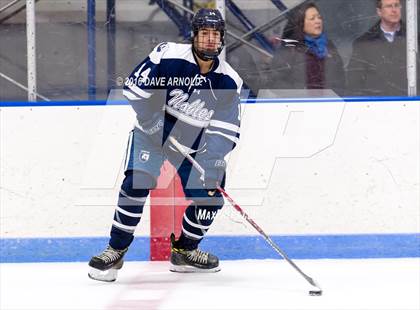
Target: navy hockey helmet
208, 18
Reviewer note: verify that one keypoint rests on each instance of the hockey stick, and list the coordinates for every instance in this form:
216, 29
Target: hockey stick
318, 290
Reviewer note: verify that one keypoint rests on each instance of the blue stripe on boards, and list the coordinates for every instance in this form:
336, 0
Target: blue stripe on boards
318, 246
226, 247
64, 249
335, 99
16, 104
81, 103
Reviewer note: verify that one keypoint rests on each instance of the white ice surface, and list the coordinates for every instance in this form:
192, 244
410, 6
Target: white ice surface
374, 284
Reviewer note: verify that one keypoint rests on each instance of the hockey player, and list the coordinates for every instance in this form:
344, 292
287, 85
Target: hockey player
187, 92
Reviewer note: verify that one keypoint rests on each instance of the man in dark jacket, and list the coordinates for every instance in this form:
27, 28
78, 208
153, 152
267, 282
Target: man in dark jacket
378, 66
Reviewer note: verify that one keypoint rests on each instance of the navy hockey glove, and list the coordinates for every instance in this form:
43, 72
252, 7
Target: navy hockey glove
154, 127
214, 171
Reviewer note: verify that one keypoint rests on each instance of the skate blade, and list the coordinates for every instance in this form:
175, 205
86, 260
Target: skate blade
109, 275
192, 269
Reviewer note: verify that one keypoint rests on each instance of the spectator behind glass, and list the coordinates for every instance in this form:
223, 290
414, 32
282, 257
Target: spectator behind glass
378, 66
306, 58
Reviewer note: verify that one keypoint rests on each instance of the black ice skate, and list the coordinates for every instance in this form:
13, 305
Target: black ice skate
192, 261
105, 266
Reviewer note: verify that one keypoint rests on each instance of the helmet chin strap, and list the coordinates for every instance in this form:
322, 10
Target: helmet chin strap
203, 56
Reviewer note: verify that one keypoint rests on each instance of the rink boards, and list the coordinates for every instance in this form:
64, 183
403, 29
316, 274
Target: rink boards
326, 179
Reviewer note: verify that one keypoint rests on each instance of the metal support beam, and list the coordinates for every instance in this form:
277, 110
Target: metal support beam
271, 23
249, 25
12, 3
110, 31
31, 48
189, 4
10, 15
262, 51
412, 47
23, 87
221, 6
181, 21
279, 4
91, 45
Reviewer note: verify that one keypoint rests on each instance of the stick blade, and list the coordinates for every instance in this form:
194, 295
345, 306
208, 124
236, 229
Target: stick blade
315, 292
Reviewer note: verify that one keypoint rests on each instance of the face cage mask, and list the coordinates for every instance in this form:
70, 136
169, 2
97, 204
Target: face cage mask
204, 54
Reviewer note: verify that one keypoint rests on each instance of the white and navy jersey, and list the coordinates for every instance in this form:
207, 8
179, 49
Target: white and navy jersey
204, 109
